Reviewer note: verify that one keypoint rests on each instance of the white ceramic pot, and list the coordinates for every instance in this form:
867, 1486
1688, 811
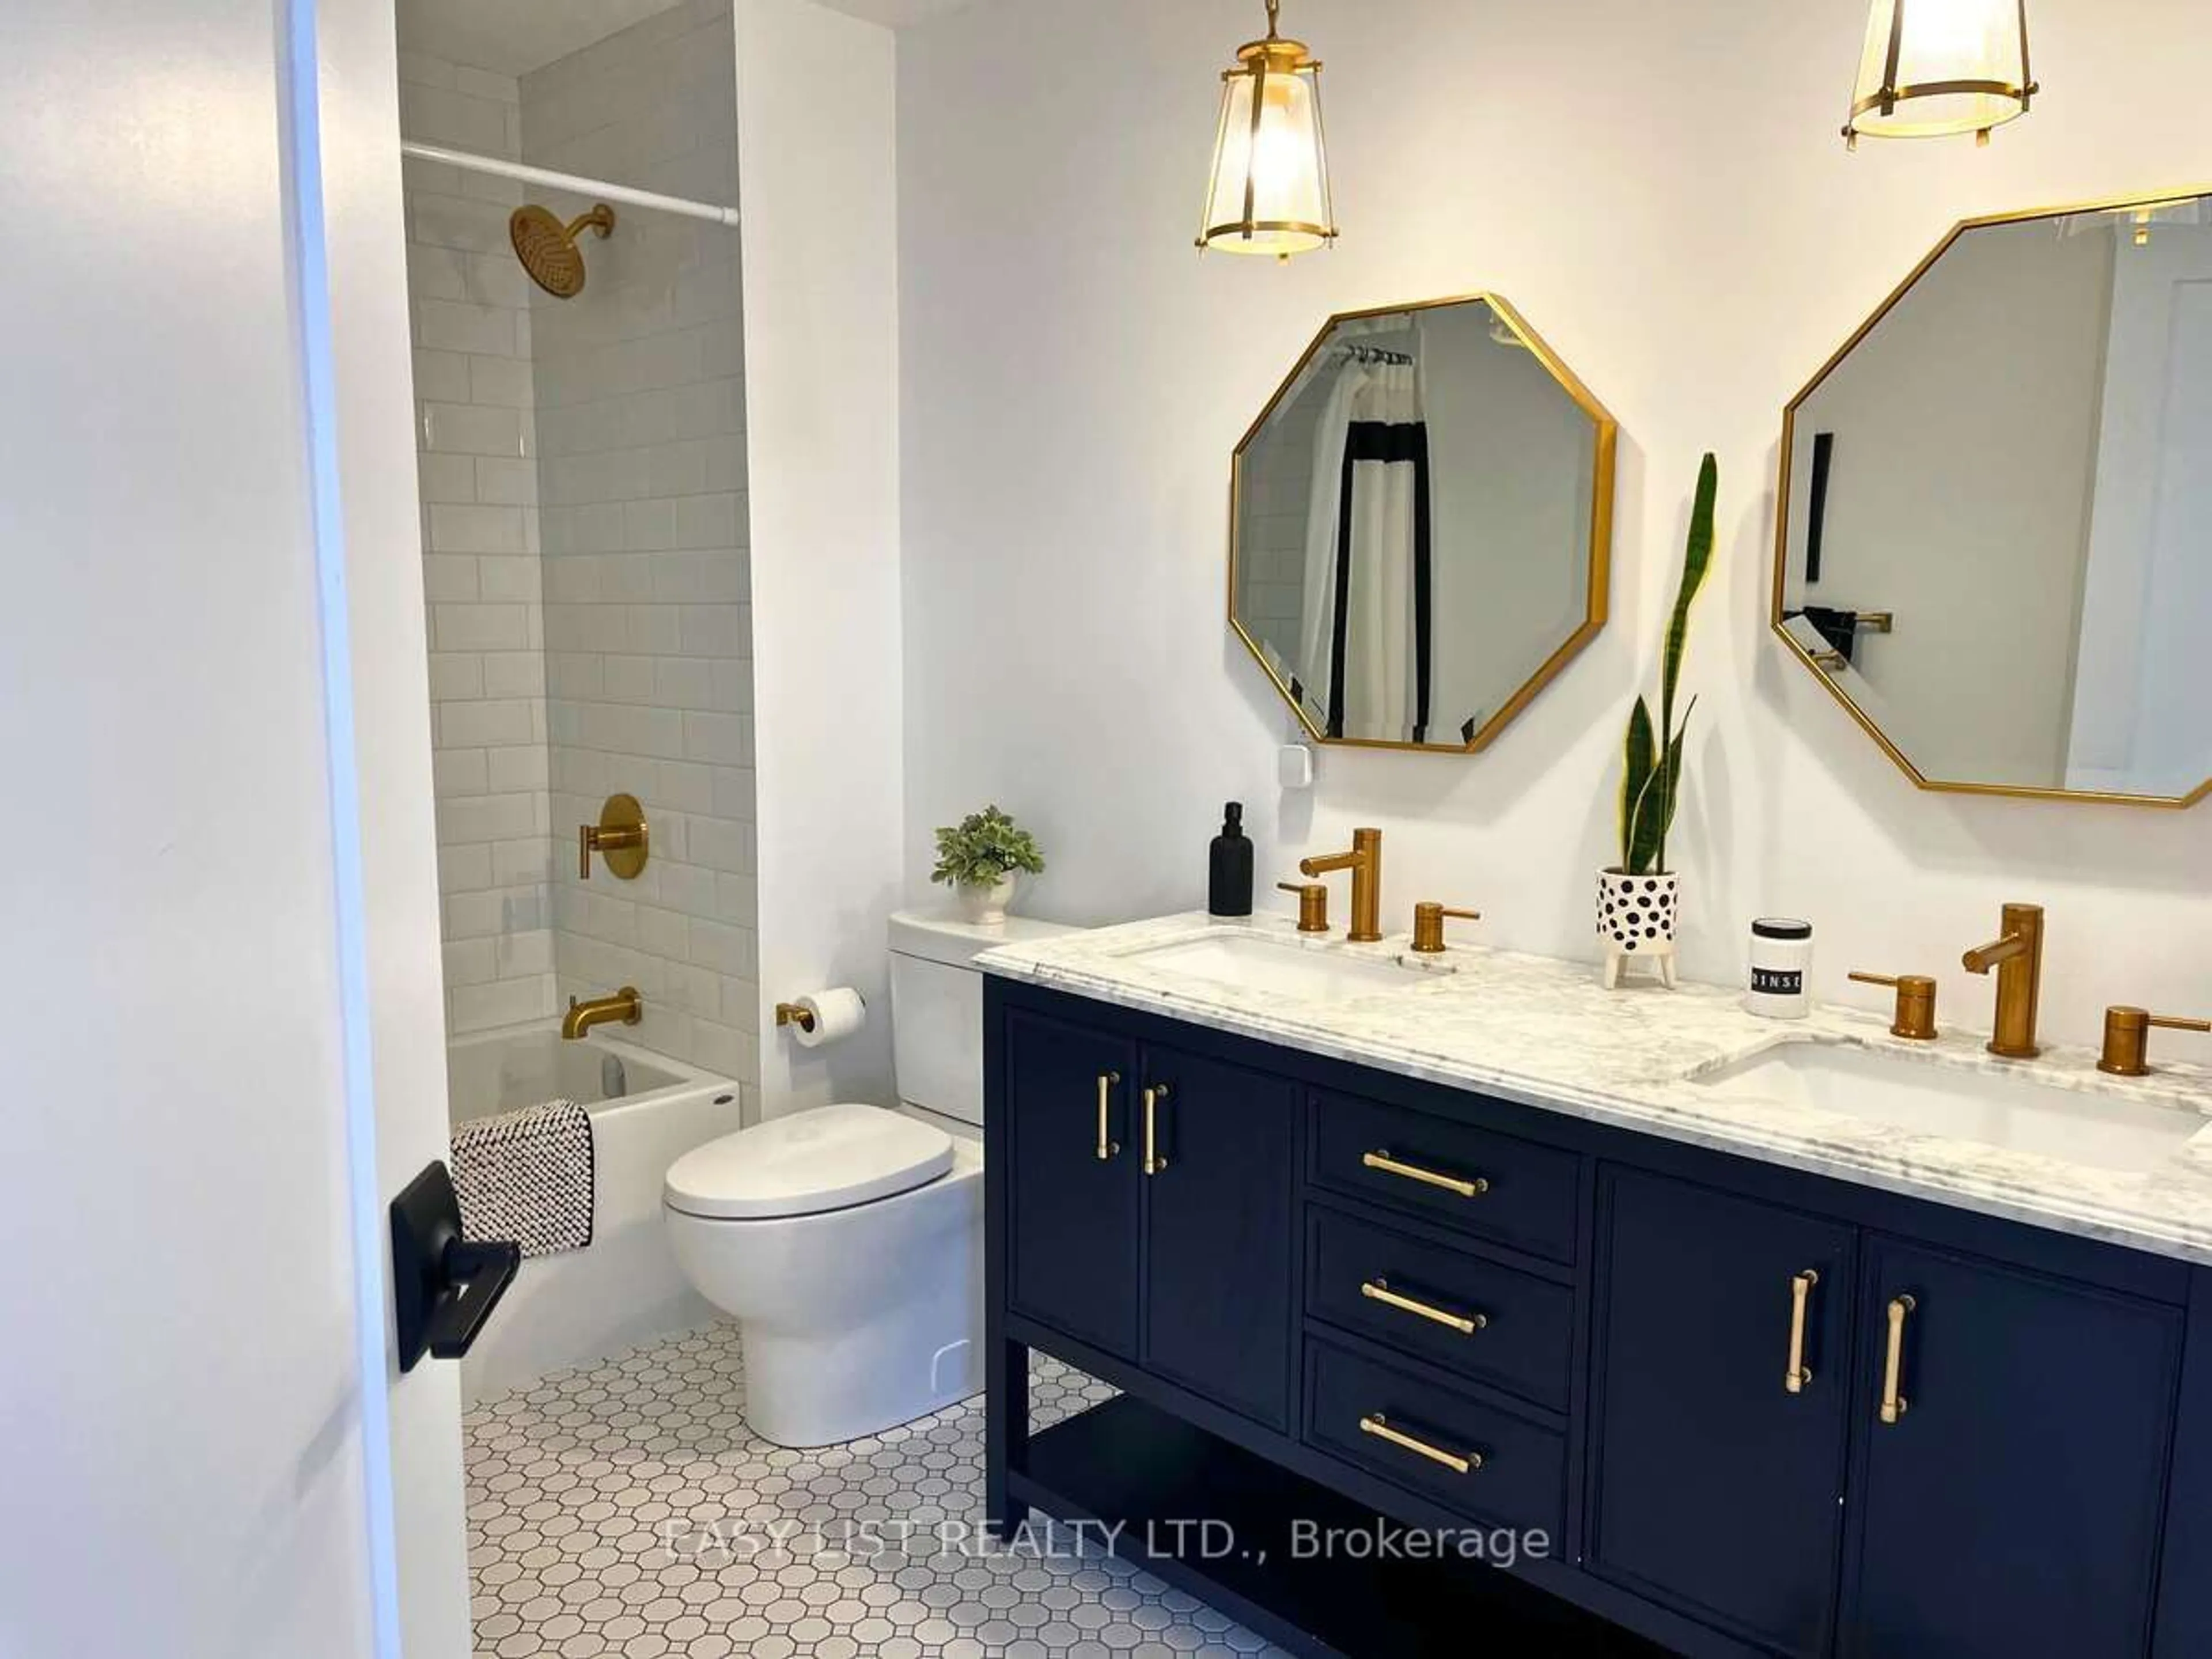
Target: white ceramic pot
986, 906
1636, 918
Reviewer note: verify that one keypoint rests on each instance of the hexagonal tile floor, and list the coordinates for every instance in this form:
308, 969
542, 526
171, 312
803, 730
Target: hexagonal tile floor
624, 1508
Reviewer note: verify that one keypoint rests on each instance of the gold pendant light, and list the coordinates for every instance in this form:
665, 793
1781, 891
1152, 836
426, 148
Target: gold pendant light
1934, 68
1269, 190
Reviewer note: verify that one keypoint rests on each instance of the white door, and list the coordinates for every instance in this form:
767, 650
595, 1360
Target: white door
218, 938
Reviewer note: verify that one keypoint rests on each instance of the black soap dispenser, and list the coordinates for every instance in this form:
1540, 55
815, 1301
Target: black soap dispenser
1229, 870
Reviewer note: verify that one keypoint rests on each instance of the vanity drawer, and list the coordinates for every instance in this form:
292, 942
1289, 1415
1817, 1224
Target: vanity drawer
1363, 1277
1513, 1191
1514, 1472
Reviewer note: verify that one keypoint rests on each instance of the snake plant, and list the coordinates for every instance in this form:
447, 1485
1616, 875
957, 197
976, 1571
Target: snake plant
1651, 776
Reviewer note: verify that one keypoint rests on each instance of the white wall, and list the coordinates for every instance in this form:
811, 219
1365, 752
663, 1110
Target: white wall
185, 1446
1677, 215
641, 417
816, 142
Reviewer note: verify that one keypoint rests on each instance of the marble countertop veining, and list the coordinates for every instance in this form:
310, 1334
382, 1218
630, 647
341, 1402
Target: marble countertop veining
1545, 1033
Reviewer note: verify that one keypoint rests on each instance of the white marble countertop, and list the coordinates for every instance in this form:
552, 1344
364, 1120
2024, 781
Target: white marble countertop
1545, 1033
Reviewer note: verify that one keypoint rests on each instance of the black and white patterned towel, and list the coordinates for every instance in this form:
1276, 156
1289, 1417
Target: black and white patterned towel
527, 1176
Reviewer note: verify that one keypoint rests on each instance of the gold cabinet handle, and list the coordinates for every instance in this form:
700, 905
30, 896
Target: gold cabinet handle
1381, 1160
1153, 1162
1378, 1289
1800, 1293
1894, 1404
1108, 1082
1379, 1426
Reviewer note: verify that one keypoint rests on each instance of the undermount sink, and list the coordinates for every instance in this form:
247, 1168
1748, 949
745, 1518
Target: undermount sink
2016, 1113
1252, 962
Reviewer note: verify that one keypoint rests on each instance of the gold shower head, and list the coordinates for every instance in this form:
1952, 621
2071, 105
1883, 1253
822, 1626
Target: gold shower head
547, 248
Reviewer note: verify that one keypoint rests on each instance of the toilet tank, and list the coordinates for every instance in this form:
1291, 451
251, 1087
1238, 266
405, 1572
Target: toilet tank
937, 1007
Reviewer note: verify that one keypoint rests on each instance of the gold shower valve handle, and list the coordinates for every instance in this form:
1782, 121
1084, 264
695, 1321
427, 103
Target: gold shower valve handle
621, 838
2127, 1038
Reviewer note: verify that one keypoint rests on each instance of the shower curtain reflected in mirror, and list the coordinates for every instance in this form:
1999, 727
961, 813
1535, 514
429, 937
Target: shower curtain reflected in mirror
1365, 656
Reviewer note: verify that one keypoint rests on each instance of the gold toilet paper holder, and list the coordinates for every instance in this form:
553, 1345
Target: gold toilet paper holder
790, 1013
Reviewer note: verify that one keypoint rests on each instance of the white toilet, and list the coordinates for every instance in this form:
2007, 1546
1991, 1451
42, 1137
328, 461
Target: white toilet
847, 1241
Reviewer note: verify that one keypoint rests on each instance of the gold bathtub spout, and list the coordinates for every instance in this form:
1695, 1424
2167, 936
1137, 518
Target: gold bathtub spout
625, 1005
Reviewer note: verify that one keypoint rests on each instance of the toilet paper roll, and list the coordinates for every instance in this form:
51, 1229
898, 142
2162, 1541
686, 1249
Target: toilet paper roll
838, 1013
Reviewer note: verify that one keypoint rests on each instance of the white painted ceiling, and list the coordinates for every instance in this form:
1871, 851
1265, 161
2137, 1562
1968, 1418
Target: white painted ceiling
897, 13
514, 37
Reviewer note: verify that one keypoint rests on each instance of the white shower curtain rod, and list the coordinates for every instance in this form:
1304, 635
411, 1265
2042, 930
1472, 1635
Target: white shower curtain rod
552, 181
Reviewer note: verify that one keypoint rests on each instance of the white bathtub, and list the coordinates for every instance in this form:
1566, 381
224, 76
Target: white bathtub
625, 1288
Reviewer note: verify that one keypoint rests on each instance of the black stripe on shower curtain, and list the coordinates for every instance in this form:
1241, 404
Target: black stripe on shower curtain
1391, 445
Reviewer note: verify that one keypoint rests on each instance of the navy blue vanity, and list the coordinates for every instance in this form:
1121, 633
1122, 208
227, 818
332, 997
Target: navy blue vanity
1751, 1411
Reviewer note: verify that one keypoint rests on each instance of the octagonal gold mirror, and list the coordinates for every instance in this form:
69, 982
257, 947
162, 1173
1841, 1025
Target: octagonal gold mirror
1421, 523
1995, 535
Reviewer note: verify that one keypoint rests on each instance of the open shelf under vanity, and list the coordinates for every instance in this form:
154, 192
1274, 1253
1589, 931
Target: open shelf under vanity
1128, 1464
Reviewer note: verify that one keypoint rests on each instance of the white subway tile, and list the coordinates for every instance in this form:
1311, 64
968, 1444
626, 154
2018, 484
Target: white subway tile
446, 477
441, 377
478, 627
505, 1002
465, 429
448, 580
458, 326
515, 674
522, 863
517, 578
719, 739
501, 380
472, 961
509, 770
464, 869
487, 818
455, 675
508, 481
475, 529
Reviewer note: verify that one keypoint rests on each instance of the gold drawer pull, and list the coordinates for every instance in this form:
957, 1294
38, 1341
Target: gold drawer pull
1108, 1082
1153, 1162
1894, 1404
1379, 1426
1381, 1160
1378, 1289
1801, 1292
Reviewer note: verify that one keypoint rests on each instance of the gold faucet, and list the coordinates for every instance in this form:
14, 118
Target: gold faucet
2017, 956
625, 1005
1364, 860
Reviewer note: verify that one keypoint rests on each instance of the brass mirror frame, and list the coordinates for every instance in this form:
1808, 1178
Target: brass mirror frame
1796, 649
1601, 535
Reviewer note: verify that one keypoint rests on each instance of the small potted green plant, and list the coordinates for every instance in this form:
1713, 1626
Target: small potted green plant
981, 858
1639, 899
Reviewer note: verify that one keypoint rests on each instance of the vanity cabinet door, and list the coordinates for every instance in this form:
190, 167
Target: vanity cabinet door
2012, 1506
1072, 1197
1218, 1229
1718, 1487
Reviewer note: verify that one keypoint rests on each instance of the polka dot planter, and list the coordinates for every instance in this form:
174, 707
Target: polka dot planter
1636, 921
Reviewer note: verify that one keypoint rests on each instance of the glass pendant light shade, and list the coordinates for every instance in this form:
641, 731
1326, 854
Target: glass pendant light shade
1933, 68
1269, 190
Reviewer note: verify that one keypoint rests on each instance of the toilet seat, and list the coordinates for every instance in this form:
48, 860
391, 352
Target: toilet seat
831, 1157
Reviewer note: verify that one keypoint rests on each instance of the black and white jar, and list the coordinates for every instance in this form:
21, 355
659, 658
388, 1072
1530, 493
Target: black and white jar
1781, 968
